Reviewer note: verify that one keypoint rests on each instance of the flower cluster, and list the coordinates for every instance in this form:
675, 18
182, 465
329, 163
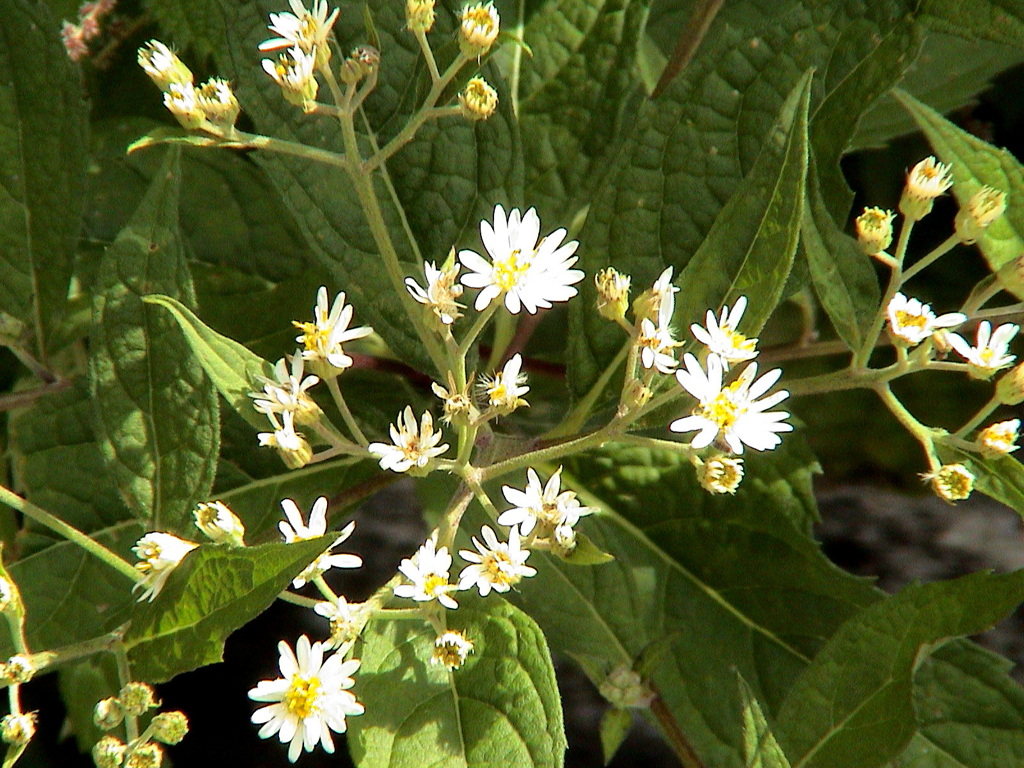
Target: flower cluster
211, 106
303, 45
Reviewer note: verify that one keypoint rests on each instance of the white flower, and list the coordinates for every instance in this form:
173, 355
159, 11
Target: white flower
496, 565
657, 346
913, 322
528, 274
428, 572
323, 338
302, 28
159, 554
295, 451
182, 101
346, 620
721, 337
296, 530
441, 292
451, 650
218, 101
412, 445
990, 352
288, 391
951, 482
163, 65
293, 71
505, 391
928, 179
999, 439
542, 504
731, 413
309, 700
720, 474
219, 523
478, 28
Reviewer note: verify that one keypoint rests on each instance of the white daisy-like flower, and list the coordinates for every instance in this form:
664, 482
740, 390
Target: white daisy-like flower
504, 392
664, 292
413, 445
159, 554
929, 179
731, 413
991, 352
294, 530
999, 439
163, 65
322, 339
913, 322
495, 565
441, 293
657, 346
451, 650
302, 28
293, 70
530, 275
428, 571
309, 700
721, 337
346, 620
543, 505
293, 448
288, 391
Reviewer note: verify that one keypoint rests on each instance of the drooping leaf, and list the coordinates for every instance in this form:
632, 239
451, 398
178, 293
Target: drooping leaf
1001, 478
43, 129
976, 163
500, 708
214, 591
232, 368
760, 748
854, 704
157, 418
615, 725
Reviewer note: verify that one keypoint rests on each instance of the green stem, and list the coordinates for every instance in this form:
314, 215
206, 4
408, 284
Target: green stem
921, 433
477, 327
985, 411
346, 412
325, 589
945, 247
291, 597
598, 438
999, 312
124, 676
70, 533
576, 418
428, 56
982, 293
504, 330
282, 147
860, 360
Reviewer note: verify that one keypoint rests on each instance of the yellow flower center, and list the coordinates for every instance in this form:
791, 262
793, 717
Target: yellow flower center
723, 409
481, 20
499, 568
435, 584
301, 697
508, 272
908, 320
738, 341
313, 336
986, 355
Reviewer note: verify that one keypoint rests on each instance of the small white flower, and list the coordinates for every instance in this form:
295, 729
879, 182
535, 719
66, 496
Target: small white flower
731, 413
719, 474
542, 504
929, 179
288, 391
163, 65
293, 448
458, 404
451, 650
293, 71
323, 338
913, 322
441, 292
302, 28
346, 620
478, 28
428, 571
505, 391
991, 351
309, 700
721, 337
413, 445
951, 482
218, 102
159, 554
657, 346
999, 439
296, 530
496, 565
528, 274
182, 101
219, 523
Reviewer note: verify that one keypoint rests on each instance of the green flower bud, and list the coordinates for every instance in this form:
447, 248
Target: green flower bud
170, 727
137, 698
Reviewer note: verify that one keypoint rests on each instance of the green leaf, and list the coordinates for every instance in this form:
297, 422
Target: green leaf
976, 163
214, 591
760, 749
586, 553
854, 704
231, 367
997, 21
197, 25
615, 725
156, 418
81, 686
43, 125
1001, 478
500, 708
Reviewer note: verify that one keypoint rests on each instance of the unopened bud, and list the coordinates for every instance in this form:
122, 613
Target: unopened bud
721, 474
108, 752
926, 181
170, 727
952, 482
999, 439
137, 698
624, 688
219, 523
478, 100
874, 230
563, 541
218, 102
18, 729
1010, 389
984, 207
636, 395
147, 755
451, 650
478, 29
163, 66
612, 293
1011, 276
419, 15
364, 61
108, 714
18, 669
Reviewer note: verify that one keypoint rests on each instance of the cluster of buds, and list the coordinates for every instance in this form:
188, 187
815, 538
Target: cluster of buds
76, 37
135, 700
211, 106
363, 63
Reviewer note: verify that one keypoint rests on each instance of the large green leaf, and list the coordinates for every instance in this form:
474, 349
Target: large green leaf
853, 707
976, 163
500, 708
156, 415
214, 591
997, 21
42, 166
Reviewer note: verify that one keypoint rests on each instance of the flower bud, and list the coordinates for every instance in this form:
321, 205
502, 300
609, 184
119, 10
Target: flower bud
478, 29
18, 729
8, 595
451, 650
563, 541
478, 100
952, 482
1011, 276
419, 15
170, 727
1010, 389
218, 102
984, 207
720, 474
137, 698
874, 230
636, 395
108, 714
108, 752
147, 755
18, 669
999, 439
926, 181
182, 101
624, 688
612, 294
163, 66
293, 71
219, 523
